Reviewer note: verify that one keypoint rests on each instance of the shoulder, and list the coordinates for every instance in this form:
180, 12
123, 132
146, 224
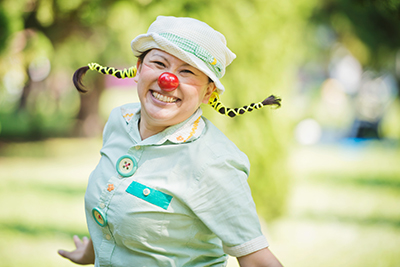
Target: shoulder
217, 142
123, 113
119, 118
215, 149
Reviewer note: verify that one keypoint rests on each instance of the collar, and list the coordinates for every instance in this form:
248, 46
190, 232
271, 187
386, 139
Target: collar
186, 131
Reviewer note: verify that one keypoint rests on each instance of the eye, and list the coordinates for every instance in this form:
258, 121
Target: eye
187, 71
159, 63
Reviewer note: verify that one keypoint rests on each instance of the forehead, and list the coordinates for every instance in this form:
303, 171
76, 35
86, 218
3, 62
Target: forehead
166, 56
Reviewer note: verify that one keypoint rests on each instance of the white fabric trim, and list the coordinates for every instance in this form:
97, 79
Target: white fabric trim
246, 248
191, 130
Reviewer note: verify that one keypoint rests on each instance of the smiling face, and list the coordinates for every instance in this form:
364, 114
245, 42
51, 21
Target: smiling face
161, 109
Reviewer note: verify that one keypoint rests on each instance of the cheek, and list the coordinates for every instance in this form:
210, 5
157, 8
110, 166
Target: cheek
148, 74
145, 78
197, 85
150, 70
140, 89
203, 91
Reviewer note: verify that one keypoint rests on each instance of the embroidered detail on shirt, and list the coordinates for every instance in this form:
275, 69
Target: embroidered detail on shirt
110, 187
194, 128
149, 194
128, 112
128, 116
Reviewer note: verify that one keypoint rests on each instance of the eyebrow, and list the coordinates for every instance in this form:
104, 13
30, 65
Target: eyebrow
159, 55
186, 64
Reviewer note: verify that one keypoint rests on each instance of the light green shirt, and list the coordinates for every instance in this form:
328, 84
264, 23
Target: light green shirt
186, 204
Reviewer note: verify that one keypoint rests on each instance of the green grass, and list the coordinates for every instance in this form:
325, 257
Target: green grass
42, 189
344, 206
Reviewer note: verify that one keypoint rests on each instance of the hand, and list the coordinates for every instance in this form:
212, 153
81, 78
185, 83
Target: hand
83, 254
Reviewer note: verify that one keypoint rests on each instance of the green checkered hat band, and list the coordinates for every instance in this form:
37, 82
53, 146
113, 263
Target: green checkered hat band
197, 50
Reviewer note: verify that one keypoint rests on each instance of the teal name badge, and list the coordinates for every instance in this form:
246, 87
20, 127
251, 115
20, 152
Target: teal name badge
149, 194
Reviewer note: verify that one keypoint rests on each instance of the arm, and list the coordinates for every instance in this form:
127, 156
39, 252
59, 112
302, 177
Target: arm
261, 258
83, 254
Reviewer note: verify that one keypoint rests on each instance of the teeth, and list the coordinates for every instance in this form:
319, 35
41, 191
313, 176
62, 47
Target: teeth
164, 98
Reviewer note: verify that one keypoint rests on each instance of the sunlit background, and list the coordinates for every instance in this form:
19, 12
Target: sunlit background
325, 166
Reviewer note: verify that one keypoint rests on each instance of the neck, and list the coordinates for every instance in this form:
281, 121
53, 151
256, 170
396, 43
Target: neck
147, 130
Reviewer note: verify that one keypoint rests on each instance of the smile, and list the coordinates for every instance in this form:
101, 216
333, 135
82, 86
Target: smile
163, 98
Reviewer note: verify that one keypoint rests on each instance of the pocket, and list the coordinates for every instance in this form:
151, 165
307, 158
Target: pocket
149, 194
137, 229
140, 214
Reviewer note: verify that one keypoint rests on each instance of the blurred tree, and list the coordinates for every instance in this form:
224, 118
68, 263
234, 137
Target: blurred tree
64, 25
366, 33
369, 29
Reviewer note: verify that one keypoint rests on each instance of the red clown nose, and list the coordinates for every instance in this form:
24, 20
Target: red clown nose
168, 81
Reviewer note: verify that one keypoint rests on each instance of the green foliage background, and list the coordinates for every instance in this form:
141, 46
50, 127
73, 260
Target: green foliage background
296, 189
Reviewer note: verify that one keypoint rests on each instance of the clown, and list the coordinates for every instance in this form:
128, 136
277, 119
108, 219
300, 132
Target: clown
170, 189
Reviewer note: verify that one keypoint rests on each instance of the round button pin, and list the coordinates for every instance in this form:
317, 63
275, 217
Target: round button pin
126, 165
99, 217
146, 192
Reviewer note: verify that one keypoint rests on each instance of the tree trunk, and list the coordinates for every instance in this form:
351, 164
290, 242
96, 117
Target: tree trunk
88, 122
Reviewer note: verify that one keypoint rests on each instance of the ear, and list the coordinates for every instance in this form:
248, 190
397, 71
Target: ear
138, 69
210, 89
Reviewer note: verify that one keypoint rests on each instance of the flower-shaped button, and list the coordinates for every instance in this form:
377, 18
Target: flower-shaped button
126, 165
99, 217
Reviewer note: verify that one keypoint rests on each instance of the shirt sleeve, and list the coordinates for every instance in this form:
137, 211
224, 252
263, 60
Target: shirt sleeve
221, 198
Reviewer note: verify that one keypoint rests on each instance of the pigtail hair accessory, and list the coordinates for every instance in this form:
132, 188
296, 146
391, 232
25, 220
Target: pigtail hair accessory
120, 74
216, 104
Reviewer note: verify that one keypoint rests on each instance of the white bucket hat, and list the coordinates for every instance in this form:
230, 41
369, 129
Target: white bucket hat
190, 40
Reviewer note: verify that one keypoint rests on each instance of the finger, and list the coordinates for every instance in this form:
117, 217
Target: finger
85, 240
77, 241
63, 253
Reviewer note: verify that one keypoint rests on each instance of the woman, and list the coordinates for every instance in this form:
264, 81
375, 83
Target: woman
170, 189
